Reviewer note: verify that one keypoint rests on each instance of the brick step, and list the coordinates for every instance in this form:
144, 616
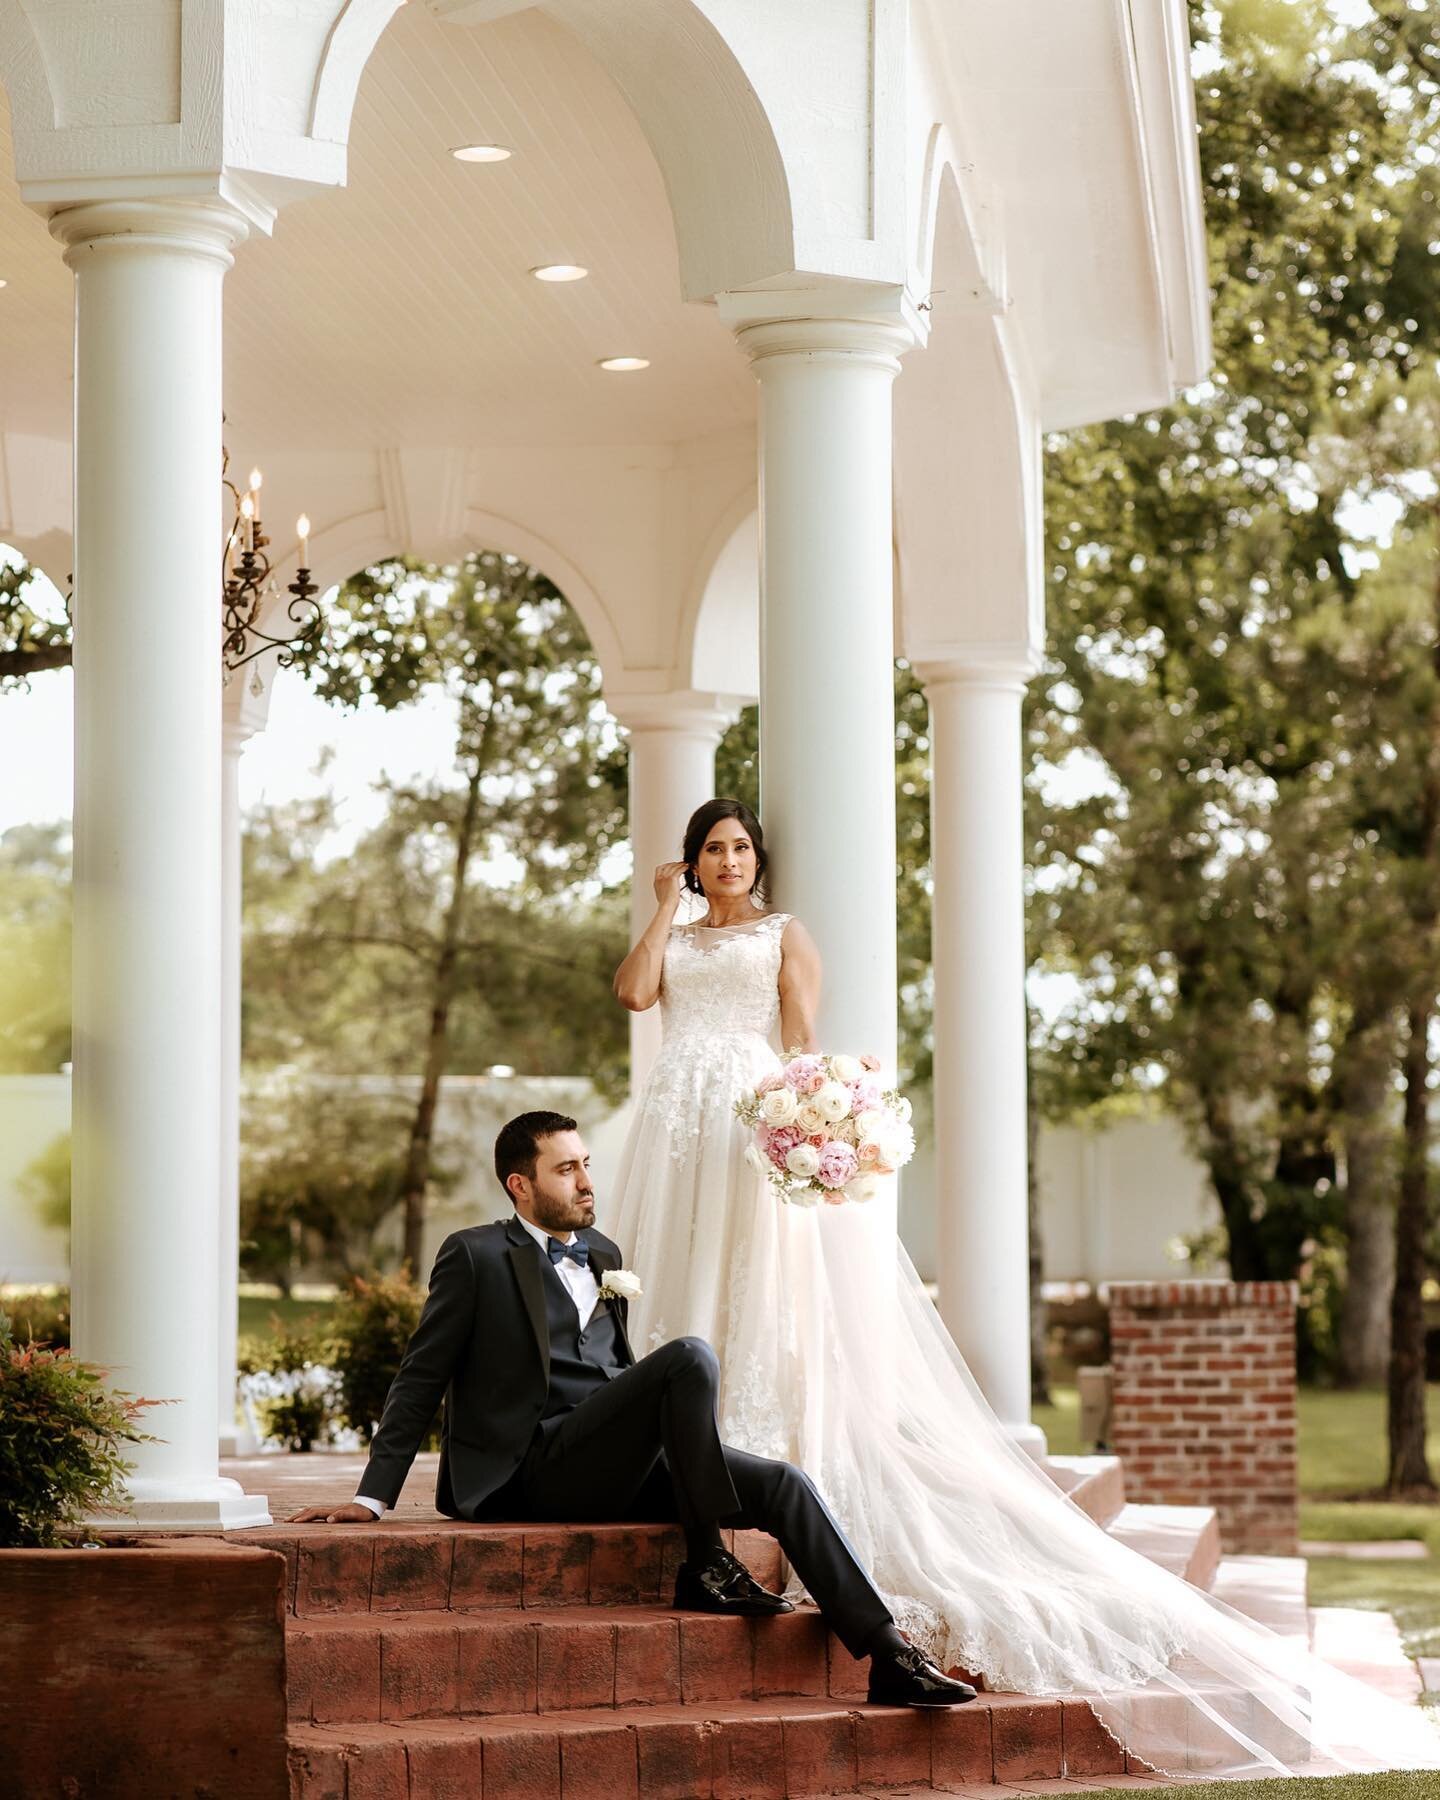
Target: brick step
761, 1749
1095, 1483
1183, 1539
397, 1567
380, 1667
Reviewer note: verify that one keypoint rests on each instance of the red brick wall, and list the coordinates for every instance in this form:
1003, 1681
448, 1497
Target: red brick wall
1204, 1405
141, 1674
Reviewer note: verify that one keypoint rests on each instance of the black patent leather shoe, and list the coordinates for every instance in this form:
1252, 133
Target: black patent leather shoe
725, 1585
909, 1678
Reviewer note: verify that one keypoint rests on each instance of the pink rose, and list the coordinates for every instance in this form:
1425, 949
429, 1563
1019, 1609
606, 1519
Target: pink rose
838, 1164
817, 1140
780, 1142
864, 1096
768, 1083
802, 1071
814, 1084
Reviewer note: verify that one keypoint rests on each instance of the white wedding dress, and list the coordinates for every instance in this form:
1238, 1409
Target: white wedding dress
834, 1357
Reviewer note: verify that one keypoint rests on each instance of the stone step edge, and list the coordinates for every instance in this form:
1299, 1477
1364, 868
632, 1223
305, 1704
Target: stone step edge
392, 1666
1095, 1483
347, 1568
824, 1747
1183, 1539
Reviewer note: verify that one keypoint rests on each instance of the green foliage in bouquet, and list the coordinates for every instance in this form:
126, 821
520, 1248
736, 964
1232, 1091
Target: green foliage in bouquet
61, 1438
373, 1324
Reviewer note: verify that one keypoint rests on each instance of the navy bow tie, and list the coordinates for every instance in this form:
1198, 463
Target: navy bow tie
577, 1251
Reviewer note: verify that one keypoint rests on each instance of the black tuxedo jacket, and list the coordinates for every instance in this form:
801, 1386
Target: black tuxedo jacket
483, 1345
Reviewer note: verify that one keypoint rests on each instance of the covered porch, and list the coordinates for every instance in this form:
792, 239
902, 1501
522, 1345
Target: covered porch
859, 308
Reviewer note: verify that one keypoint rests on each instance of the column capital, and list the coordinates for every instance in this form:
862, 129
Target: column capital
856, 321
1007, 668
693, 714
209, 229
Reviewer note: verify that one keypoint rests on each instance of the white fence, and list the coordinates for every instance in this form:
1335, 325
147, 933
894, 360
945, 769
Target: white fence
1112, 1201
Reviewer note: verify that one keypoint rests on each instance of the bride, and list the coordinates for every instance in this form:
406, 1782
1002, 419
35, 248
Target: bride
835, 1358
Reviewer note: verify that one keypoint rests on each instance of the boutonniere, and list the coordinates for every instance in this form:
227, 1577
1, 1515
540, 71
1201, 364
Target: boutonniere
620, 1284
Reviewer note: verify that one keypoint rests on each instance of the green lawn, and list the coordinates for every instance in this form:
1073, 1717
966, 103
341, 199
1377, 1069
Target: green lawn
258, 1314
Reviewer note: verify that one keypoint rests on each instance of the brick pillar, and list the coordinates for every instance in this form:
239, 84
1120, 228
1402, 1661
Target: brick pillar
1204, 1406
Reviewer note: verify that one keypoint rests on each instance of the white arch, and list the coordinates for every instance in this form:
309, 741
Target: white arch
341, 550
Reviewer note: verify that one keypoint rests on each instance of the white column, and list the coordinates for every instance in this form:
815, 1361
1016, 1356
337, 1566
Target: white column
977, 859
235, 1439
827, 703
147, 1003
673, 739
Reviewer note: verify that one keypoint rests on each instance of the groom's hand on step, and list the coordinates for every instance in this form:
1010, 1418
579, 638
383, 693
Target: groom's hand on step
351, 1514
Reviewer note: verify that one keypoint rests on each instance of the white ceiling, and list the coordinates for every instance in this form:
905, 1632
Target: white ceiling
400, 310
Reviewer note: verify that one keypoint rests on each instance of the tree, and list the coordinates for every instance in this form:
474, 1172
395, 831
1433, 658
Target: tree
1207, 891
35, 970
322, 1172
30, 641
540, 781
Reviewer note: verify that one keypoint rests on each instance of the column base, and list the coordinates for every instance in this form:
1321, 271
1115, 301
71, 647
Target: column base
172, 1506
1031, 1439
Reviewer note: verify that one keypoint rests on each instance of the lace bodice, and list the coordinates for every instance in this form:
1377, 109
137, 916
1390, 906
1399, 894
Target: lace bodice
721, 982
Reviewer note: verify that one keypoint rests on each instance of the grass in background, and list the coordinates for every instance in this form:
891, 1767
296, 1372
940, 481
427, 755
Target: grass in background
259, 1316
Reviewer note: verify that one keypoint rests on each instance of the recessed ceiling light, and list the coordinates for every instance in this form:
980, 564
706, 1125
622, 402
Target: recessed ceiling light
622, 365
481, 153
3, 284
560, 272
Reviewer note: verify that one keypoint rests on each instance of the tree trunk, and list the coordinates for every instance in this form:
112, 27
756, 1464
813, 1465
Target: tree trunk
1039, 1336
1362, 1080
447, 965
1408, 1465
1234, 1189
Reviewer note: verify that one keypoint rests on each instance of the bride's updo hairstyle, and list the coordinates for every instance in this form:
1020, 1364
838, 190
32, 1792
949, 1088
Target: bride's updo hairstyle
703, 821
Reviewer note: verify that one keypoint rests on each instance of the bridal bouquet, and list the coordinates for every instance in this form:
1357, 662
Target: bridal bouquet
825, 1130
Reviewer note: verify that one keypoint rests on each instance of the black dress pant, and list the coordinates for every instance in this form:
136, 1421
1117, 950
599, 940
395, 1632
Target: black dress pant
646, 1447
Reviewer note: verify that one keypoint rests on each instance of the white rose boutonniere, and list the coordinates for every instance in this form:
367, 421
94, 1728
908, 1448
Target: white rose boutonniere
620, 1284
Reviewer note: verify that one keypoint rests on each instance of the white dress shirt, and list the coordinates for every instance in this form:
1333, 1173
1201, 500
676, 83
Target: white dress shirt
580, 1284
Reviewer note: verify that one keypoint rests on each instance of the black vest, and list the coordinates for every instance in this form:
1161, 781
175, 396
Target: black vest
580, 1361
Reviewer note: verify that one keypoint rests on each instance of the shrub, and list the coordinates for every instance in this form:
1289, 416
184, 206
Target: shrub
291, 1380
61, 1433
373, 1323
42, 1318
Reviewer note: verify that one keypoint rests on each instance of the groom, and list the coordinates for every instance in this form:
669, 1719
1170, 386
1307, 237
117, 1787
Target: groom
549, 1416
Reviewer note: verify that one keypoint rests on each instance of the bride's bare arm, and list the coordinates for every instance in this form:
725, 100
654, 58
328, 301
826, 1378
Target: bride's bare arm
799, 988
637, 980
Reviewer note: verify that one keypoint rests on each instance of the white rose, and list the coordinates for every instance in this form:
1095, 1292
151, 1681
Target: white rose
757, 1160
809, 1117
846, 1068
778, 1107
804, 1161
833, 1102
802, 1194
870, 1124
862, 1188
620, 1284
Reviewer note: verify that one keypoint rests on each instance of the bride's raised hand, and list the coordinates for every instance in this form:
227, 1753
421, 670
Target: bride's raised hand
669, 883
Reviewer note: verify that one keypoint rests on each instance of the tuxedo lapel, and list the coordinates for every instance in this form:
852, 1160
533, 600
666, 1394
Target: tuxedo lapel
601, 1262
525, 1261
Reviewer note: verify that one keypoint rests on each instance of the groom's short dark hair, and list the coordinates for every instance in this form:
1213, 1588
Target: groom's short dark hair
518, 1146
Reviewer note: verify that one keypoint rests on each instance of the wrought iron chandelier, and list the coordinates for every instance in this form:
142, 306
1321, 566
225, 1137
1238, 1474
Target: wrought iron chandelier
247, 583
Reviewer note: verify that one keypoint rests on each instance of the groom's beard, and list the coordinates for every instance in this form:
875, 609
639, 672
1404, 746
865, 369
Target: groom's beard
560, 1212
